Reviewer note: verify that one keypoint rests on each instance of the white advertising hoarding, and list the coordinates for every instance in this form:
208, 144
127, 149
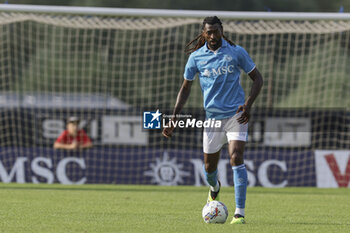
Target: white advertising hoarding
332, 168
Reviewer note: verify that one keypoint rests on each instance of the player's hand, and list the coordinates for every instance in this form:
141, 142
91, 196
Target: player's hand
168, 131
244, 118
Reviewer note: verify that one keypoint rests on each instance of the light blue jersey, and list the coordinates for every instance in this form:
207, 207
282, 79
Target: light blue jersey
219, 74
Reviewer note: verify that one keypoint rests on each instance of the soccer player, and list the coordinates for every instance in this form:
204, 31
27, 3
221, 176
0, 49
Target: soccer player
218, 61
73, 138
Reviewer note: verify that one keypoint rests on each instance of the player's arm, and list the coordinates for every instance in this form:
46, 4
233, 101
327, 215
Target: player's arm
182, 97
59, 145
254, 92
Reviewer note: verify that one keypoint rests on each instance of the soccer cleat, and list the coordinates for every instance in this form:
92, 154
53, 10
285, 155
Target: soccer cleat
238, 219
214, 196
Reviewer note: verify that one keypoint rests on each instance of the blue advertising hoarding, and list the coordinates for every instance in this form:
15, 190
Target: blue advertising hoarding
150, 166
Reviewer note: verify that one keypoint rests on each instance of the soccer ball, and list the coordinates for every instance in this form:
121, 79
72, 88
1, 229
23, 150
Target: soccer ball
215, 212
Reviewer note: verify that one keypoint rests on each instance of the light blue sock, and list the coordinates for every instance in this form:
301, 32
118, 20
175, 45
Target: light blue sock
211, 177
240, 180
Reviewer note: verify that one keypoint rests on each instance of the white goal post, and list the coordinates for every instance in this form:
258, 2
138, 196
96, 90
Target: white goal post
103, 11
109, 65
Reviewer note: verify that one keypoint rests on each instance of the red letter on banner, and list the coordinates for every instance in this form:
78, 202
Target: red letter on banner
342, 180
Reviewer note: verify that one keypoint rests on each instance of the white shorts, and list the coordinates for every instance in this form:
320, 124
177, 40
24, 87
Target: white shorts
230, 130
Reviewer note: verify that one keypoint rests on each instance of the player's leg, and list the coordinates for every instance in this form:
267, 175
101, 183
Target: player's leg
211, 172
213, 140
240, 178
237, 135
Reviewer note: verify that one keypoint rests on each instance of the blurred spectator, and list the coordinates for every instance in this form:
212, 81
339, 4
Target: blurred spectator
73, 138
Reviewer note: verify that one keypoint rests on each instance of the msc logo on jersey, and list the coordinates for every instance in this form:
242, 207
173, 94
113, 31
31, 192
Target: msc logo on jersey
151, 120
219, 71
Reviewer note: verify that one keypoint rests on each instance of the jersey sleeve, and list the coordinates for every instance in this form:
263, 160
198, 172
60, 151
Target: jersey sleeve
84, 137
245, 61
190, 68
62, 137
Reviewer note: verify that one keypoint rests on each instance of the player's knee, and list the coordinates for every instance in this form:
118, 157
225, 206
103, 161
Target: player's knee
209, 167
236, 158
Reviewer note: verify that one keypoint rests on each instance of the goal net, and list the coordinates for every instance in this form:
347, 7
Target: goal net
109, 70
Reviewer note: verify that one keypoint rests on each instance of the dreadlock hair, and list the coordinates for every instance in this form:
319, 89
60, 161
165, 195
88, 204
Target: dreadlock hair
200, 40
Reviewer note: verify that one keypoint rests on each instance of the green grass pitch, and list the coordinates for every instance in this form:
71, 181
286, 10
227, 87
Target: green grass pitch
121, 208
